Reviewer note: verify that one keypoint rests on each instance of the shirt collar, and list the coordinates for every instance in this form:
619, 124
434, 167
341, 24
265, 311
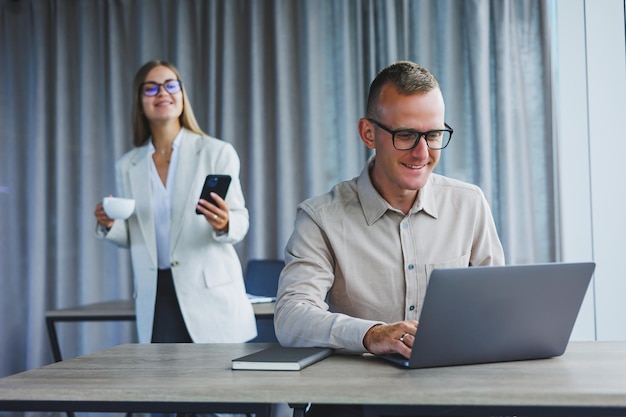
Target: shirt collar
175, 144
427, 199
375, 206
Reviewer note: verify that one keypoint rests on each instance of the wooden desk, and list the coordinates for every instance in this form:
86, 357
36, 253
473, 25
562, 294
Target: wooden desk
589, 380
121, 310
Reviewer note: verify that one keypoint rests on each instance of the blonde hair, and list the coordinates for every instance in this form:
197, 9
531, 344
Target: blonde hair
141, 127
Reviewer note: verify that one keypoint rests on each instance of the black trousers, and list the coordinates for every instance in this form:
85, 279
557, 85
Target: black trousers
168, 325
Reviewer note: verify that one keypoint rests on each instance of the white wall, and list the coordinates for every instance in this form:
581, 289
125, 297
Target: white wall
591, 134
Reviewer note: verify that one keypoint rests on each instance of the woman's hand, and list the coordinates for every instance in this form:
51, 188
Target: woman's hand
102, 217
215, 214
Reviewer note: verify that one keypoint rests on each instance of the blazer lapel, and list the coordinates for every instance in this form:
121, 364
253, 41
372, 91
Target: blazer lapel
185, 184
139, 175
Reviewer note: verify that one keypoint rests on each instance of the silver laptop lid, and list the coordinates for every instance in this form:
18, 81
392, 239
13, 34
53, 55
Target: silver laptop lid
499, 313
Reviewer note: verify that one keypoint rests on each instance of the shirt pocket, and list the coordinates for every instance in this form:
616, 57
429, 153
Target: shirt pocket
460, 262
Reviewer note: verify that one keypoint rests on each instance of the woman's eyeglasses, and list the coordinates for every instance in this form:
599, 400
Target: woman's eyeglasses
151, 89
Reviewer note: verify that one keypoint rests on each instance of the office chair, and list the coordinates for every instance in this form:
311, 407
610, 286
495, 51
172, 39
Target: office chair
262, 279
262, 276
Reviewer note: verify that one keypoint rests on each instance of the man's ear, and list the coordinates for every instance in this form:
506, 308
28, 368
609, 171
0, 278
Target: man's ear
366, 131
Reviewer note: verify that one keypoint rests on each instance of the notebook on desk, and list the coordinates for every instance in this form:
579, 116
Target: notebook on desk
497, 314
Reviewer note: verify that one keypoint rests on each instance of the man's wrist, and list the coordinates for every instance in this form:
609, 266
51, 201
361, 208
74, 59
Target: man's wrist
368, 336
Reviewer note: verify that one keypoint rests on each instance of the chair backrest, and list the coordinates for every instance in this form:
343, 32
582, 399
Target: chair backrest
262, 276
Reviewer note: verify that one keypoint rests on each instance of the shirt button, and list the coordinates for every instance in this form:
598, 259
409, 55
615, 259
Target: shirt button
411, 308
411, 266
405, 225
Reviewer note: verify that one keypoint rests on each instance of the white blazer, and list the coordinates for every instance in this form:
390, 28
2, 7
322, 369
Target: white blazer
206, 270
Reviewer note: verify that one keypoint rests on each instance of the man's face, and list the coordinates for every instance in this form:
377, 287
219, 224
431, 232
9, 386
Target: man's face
398, 175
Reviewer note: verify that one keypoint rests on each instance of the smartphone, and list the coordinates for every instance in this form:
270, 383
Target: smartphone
214, 184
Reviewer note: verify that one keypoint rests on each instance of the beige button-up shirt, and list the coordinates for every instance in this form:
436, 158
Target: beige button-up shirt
354, 261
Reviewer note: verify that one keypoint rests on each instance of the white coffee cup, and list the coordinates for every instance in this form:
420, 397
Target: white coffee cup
117, 207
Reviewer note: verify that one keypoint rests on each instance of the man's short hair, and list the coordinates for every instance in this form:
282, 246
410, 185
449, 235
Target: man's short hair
407, 77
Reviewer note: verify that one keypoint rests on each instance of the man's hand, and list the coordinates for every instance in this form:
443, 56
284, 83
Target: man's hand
394, 337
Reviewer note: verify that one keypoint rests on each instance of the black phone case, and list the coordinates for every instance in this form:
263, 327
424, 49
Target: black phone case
217, 184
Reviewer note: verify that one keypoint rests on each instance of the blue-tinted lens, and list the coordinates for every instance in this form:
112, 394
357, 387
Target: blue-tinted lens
172, 86
150, 89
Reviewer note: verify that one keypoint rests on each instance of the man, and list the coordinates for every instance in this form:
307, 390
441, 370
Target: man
359, 259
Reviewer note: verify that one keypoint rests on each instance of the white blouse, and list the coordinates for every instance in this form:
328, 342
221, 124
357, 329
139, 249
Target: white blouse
162, 203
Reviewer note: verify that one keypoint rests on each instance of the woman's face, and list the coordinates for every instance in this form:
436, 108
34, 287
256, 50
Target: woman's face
167, 104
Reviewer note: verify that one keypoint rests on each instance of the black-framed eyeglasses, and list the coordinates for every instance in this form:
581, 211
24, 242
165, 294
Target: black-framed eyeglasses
405, 139
151, 89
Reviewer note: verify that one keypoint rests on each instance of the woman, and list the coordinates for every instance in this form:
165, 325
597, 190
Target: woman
187, 276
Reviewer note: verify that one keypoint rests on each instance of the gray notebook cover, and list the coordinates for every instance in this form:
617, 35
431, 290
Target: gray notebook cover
279, 358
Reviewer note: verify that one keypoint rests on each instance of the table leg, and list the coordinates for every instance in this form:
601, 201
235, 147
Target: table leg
54, 344
299, 410
54, 340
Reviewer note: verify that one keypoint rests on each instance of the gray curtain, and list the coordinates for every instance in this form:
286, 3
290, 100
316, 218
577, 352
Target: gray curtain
285, 82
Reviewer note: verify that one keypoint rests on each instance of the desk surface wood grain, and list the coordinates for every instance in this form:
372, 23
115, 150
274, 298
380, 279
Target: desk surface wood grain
589, 374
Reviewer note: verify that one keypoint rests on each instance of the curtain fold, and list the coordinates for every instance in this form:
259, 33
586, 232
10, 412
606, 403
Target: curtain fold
284, 81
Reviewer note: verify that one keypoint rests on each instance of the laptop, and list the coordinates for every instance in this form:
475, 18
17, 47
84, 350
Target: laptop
488, 314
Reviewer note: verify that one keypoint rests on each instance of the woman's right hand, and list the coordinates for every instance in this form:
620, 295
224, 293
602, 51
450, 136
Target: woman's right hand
102, 217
